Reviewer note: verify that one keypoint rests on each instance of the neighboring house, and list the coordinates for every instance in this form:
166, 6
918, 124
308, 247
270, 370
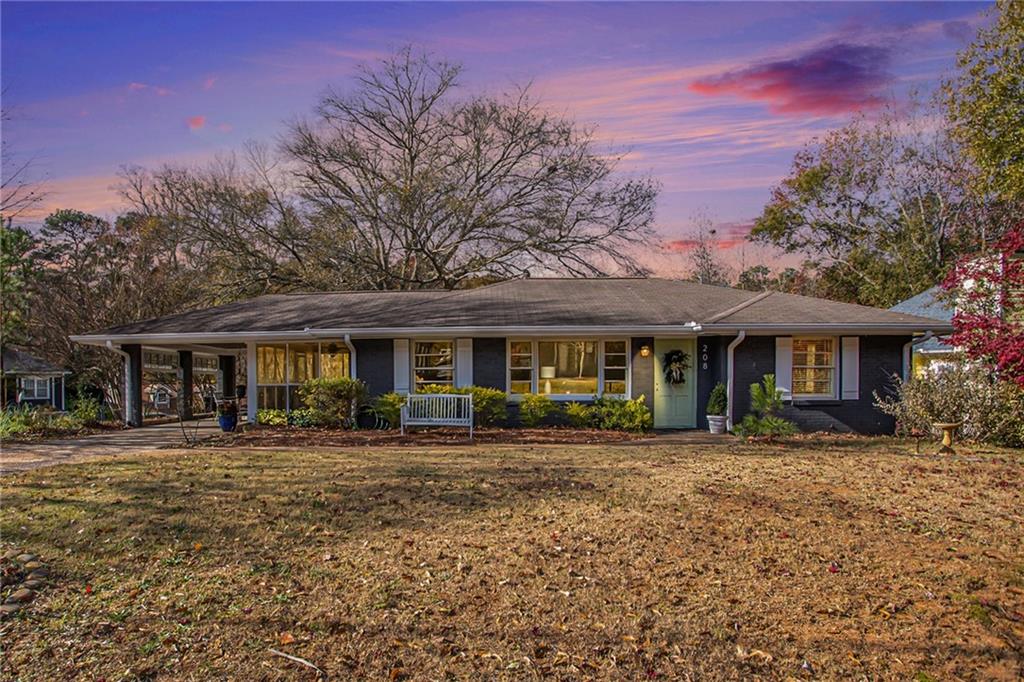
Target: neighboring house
571, 339
933, 352
28, 380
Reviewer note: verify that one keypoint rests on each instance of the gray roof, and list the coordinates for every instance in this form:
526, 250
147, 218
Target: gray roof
928, 303
537, 302
19, 362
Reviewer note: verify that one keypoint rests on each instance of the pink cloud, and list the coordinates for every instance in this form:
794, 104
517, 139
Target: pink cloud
196, 122
209, 83
225, 127
832, 79
160, 91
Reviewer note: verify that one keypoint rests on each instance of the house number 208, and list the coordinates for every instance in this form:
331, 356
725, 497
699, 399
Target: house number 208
704, 356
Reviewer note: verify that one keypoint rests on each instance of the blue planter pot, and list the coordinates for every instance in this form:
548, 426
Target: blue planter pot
228, 422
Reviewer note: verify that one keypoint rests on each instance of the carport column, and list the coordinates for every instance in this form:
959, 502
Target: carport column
227, 375
133, 384
185, 385
250, 381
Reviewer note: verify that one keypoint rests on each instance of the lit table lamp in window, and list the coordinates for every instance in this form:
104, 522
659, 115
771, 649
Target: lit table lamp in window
547, 374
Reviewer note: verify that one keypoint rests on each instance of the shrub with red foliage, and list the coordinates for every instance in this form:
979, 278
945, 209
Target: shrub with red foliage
989, 323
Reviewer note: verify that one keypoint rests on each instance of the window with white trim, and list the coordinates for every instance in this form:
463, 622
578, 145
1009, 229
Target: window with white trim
814, 367
615, 367
520, 367
433, 363
568, 369
35, 388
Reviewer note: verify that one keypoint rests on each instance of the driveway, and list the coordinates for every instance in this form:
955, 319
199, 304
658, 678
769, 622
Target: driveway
22, 456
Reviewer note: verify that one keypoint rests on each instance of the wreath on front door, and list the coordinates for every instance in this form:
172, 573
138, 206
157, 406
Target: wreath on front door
675, 364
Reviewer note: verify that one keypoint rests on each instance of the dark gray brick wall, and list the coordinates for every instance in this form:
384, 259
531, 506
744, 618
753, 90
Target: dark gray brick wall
375, 364
881, 357
710, 366
489, 363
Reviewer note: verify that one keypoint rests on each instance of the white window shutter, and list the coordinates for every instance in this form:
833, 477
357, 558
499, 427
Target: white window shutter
851, 368
784, 366
463, 362
402, 368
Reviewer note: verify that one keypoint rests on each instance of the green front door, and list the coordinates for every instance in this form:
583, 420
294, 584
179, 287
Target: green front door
675, 405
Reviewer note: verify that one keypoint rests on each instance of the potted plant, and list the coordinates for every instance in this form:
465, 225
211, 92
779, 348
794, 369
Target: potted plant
717, 405
227, 415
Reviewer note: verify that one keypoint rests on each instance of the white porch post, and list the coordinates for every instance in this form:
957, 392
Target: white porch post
250, 381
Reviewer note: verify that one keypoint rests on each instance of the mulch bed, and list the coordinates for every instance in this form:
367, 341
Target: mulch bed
291, 436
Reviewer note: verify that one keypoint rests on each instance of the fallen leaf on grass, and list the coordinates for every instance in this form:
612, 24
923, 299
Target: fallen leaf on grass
286, 638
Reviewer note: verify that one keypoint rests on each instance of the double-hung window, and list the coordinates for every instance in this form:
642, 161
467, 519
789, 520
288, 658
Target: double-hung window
814, 367
35, 388
520, 367
433, 363
615, 366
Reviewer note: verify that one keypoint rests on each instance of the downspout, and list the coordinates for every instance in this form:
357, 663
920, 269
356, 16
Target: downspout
127, 379
729, 377
908, 353
352, 354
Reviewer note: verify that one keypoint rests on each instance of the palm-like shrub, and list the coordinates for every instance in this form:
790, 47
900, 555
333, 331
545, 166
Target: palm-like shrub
766, 402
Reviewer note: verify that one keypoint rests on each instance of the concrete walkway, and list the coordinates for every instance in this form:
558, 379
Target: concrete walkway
23, 456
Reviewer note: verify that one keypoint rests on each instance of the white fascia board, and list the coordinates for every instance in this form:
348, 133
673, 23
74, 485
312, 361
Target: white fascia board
849, 329
387, 332
689, 329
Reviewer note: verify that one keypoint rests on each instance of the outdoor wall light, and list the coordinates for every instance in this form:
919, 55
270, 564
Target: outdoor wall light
645, 351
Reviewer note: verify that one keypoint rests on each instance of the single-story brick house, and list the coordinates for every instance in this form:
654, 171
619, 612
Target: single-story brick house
571, 339
28, 380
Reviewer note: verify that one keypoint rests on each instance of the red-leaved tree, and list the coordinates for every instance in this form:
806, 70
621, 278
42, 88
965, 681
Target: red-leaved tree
989, 294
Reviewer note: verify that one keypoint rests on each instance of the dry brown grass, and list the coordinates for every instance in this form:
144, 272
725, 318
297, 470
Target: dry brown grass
621, 562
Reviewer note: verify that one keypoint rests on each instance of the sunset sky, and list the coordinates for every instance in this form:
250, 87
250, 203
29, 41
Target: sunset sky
711, 99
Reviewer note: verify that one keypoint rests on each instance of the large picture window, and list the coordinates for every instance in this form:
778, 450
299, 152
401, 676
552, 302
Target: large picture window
282, 367
434, 363
570, 369
814, 367
567, 367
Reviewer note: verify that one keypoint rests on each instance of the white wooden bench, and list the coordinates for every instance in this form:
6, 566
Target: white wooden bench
438, 409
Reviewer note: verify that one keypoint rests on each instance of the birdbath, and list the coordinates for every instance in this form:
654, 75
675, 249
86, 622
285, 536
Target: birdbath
947, 437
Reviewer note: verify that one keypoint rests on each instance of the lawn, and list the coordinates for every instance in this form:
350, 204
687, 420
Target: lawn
836, 558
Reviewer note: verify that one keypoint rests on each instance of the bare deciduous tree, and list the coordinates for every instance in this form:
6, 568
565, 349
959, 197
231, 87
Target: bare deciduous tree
19, 192
430, 190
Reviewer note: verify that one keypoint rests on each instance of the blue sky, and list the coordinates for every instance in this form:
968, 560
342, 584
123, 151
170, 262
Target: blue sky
712, 99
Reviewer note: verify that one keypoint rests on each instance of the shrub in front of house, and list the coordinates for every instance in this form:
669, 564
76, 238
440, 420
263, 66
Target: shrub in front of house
579, 415
766, 401
612, 414
389, 406
42, 420
333, 402
535, 408
489, 404
991, 410
86, 410
621, 414
272, 417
